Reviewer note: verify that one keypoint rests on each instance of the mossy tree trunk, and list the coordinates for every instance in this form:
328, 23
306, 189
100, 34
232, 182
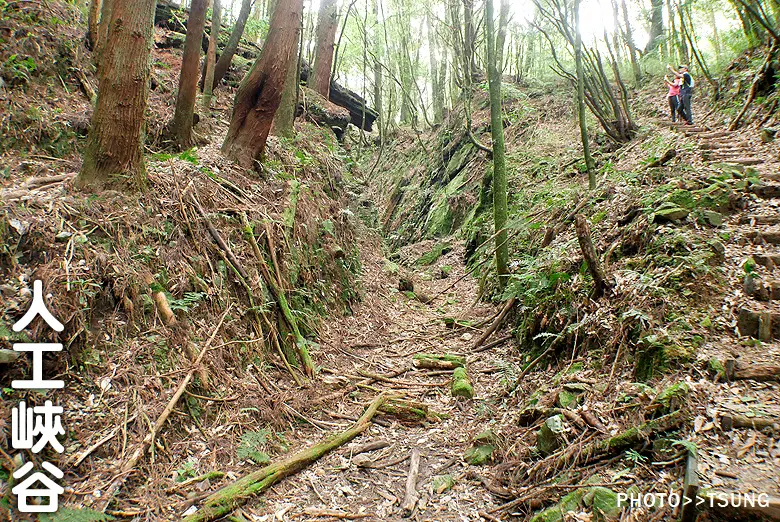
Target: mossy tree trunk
223, 63
181, 126
327, 23
114, 153
495, 46
93, 18
211, 55
260, 92
284, 121
103, 28
581, 114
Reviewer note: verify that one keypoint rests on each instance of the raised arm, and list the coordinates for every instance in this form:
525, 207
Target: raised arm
675, 73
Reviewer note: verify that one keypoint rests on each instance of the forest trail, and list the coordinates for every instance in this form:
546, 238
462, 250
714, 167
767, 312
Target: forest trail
744, 460
380, 339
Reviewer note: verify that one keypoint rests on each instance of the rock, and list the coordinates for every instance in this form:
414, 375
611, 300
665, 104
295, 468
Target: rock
713, 218
485, 437
602, 500
9, 356
424, 298
442, 483
461, 384
567, 399
444, 271
669, 212
768, 134
550, 435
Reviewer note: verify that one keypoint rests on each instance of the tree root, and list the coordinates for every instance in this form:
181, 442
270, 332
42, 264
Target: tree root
225, 500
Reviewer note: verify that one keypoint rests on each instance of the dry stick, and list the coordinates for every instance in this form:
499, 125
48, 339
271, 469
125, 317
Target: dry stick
225, 500
411, 496
589, 253
169, 319
497, 342
148, 441
496, 323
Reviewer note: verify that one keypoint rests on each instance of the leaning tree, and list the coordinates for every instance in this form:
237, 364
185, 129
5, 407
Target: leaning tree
260, 92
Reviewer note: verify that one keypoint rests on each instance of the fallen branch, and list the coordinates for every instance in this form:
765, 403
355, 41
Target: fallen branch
756, 372
130, 465
668, 156
577, 456
225, 500
495, 324
411, 497
493, 344
729, 422
589, 253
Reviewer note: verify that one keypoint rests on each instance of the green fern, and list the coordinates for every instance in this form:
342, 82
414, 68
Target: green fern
66, 514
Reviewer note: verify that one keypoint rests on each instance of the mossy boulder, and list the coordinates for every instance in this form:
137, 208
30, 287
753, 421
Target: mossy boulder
712, 218
603, 501
550, 435
461, 384
669, 212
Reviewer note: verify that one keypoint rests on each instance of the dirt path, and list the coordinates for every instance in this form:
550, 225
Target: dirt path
386, 330
745, 459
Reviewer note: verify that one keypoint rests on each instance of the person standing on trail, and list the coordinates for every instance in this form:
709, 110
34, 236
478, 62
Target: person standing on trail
673, 96
686, 91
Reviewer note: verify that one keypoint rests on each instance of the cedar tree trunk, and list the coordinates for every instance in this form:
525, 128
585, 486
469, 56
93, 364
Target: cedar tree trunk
260, 93
327, 23
181, 126
114, 156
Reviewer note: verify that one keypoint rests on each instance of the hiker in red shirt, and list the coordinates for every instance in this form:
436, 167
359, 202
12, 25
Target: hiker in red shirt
673, 96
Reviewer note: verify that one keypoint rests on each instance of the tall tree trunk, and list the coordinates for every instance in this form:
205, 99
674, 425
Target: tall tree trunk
104, 26
378, 105
211, 55
495, 48
716, 43
260, 92
93, 19
284, 121
674, 38
684, 56
113, 157
223, 63
581, 114
656, 25
631, 45
327, 24
470, 40
436, 89
181, 126
616, 32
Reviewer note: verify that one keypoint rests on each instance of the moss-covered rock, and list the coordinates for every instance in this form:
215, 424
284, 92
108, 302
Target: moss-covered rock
434, 254
668, 212
439, 361
442, 483
672, 397
550, 435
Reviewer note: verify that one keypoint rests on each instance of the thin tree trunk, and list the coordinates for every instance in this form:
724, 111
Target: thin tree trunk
181, 126
113, 157
93, 19
211, 55
260, 93
495, 47
378, 104
223, 63
436, 88
581, 114
327, 24
104, 25
656, 26
631, 46
716, 44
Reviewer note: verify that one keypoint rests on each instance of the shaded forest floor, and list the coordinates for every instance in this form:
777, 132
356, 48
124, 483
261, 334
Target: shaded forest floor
680, 289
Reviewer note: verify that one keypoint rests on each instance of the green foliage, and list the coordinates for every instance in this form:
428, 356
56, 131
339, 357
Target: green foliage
430, 257
635, 457
17, 68
251, 446
187, 302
